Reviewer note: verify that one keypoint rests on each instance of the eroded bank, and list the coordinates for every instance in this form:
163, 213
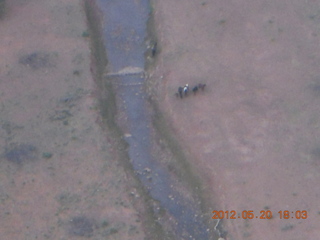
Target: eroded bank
171, 192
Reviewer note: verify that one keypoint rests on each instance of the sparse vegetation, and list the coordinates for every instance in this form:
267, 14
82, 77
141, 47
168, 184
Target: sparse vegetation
46, 155
2, 8
85, 34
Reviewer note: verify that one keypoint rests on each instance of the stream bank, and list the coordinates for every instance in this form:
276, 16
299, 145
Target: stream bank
171, 195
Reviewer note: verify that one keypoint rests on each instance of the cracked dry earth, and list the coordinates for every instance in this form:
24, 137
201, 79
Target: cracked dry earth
59, 176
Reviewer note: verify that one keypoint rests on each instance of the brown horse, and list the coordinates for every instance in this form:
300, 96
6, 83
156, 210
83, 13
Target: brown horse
201, 86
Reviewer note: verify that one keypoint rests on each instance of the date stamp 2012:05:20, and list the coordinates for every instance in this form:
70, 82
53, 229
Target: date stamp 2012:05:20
263, 214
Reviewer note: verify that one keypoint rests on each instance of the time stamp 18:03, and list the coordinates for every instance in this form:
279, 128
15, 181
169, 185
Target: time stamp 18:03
263, 214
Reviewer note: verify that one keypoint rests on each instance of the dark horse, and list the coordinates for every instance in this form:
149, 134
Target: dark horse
180, 92
195, 90
183, 91
197, 87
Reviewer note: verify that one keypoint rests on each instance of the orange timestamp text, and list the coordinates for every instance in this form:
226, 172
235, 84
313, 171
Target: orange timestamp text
263, 214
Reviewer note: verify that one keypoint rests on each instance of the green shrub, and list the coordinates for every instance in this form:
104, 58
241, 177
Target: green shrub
2, 8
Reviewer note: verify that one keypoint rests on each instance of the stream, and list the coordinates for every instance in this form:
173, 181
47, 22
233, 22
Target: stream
124, 34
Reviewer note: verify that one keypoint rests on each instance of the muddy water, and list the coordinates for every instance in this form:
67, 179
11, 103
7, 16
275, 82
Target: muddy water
124, 35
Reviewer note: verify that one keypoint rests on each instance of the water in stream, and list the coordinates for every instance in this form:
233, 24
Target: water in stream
124, 32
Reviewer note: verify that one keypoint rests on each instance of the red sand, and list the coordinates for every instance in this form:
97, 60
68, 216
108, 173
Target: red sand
253, 133
47, 108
